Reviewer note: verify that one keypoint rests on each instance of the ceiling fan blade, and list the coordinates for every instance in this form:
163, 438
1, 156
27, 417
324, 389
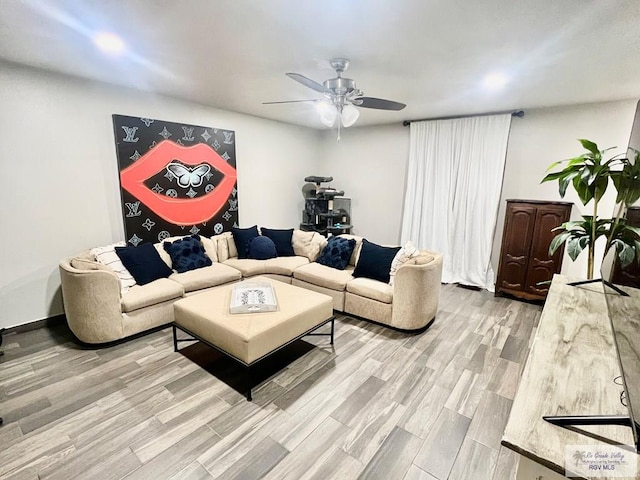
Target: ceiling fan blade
307, 82
289, 101
379, 103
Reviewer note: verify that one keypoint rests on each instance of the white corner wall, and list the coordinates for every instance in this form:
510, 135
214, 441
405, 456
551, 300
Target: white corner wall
370, 165
634, 140
60, 188
546, 135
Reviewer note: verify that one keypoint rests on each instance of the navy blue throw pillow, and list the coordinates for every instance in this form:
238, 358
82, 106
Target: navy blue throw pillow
261, 248
282, 240
337, 252
242, 237
144, 263
187, 254
375, 261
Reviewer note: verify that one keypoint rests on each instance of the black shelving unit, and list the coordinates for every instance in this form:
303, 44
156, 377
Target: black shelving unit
325, 209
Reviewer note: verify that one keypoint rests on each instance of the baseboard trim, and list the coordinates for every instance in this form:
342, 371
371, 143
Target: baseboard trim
44, 323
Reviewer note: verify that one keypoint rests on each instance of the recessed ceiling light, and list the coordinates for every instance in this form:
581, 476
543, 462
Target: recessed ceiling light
495, 81
109, 43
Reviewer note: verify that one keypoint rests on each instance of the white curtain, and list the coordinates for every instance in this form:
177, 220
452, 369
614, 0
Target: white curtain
453, 191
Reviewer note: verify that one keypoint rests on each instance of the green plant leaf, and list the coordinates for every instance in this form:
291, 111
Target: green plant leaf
564, 183
576, 161
583, 191
555, 164
584, 241
625, 252
600, 187
589, 175
574, 248
553, 176
635, 230
583, 225
589, 145
557, 241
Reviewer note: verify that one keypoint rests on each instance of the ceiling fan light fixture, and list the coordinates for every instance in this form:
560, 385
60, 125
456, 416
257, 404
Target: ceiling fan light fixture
328, 113
349, 115
340, 97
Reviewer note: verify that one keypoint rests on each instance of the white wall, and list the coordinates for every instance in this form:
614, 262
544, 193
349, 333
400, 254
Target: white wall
60, 190
370, 165
59, 182
634, 140
550, 134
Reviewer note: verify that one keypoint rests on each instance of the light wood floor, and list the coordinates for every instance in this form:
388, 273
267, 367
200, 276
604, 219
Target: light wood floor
379, 405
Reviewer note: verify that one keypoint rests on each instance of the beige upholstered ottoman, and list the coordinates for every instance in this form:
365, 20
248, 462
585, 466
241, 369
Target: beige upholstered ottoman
251, 337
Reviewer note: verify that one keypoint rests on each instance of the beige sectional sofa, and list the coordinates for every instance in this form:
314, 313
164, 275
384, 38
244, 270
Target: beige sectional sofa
98, 311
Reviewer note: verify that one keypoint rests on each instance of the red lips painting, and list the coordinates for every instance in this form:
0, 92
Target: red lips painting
176, 179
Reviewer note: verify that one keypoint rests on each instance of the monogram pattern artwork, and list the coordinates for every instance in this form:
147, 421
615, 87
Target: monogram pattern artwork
175, 179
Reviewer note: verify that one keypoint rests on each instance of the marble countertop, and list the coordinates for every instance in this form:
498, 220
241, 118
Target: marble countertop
570, 371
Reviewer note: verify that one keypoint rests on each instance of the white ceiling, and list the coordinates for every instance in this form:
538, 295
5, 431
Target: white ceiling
430, 54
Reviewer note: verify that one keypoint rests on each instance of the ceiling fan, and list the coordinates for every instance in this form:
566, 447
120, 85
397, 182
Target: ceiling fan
341, 96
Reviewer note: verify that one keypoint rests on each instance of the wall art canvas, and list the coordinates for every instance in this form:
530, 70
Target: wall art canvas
175, 179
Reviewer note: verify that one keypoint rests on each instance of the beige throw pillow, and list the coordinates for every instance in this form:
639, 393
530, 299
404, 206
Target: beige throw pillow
407, 252
108, 257
221, 242
307, 244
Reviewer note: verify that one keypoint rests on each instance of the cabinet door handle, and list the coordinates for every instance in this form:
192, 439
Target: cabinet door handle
537, 262
519, 259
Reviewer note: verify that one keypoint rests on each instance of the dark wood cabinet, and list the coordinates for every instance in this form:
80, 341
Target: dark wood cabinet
630, 275
524, 256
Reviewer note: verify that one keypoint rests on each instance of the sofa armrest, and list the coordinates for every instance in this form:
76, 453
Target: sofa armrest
416, 291
91, 299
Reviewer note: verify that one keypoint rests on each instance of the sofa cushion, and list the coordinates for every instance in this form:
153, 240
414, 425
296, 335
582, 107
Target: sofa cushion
247, 266
281, 239
262, 248
373, 289
210, 248
324, 276
152, 293
337, 252
307, 244
284, 265
374, 261
242, 237
187, 254
87, 264
144, 263
407, 252
206, 277
108, 257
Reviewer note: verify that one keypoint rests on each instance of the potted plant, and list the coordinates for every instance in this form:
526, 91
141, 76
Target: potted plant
589, 175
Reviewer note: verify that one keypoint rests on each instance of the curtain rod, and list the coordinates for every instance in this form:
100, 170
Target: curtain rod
517, 113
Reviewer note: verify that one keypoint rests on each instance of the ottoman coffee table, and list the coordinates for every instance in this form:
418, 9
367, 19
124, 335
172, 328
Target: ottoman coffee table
251, 337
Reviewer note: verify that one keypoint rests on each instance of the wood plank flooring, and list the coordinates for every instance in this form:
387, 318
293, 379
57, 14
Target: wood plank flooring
378, 405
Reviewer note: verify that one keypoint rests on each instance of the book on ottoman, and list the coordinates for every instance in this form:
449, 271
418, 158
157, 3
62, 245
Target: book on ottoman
253, 297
